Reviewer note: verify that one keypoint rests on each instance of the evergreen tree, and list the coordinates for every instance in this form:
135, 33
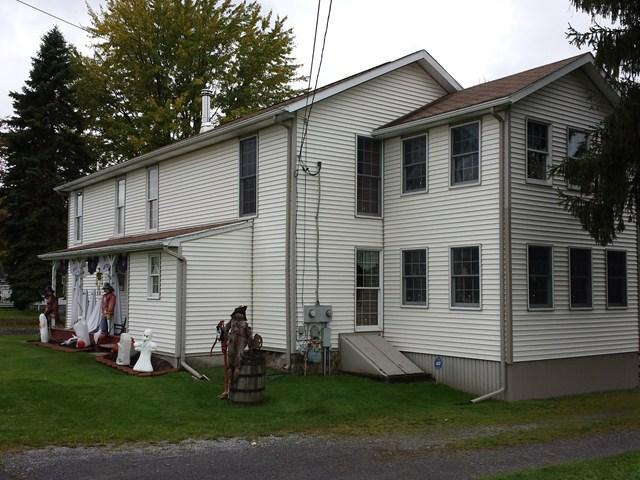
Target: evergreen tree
44, 145
152, 58
608, 174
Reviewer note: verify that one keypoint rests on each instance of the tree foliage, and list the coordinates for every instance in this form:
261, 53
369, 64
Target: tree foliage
44, 145
152, 59
608, 174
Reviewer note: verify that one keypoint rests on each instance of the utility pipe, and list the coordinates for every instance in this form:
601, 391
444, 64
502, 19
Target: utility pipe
503, 268
181, 295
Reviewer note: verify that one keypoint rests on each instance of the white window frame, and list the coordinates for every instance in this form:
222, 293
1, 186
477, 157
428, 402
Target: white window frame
78, 220
578, 307
477, 182
402, 286
606, 279
254, 214
150, 293
404, 192
149, 226
549, 162
450, 281
380, 326
120, 209
553, 276
382, 157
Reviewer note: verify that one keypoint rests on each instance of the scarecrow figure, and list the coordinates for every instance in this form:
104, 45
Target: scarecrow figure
107, 307
51, 306
235, 338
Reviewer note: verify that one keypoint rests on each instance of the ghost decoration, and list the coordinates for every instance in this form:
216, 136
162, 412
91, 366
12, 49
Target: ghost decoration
124, 350
145, 347
44, 330
82, 332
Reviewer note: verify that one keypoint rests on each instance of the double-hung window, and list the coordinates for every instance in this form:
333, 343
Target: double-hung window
540, 273
616, 278
537, 150
152, 198
367, 288
78, 199
120, 199
465, 277
465, 154
580, 277
369, 177
248, 170
414, 164
153, 287
414, 277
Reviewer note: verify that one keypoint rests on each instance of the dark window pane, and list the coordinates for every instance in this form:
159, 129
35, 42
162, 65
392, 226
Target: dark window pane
415, 163
465, 276
465, 150
248, 164
540, 277
537, 150
366, 307
369, 176
537, 165
616, 278
580, 260
414, 281
537, 136
576, 143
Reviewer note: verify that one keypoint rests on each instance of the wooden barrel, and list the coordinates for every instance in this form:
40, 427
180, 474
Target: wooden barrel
249, 387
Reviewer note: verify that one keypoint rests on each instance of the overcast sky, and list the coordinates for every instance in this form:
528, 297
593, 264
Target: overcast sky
474, 40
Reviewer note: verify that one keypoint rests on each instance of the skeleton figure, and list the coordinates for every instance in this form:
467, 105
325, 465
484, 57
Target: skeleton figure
236, 337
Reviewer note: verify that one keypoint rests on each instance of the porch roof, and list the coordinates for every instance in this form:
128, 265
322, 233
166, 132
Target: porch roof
145, 241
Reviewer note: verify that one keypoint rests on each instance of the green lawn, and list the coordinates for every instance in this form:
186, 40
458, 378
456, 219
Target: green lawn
619, 467
48, 397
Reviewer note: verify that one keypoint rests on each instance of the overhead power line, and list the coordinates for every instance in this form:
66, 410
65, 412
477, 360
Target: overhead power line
55, 16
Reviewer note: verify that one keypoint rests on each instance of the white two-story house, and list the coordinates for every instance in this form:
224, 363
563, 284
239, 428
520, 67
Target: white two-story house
433, 221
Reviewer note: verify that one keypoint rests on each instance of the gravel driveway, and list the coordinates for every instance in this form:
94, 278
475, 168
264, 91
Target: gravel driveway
308, 458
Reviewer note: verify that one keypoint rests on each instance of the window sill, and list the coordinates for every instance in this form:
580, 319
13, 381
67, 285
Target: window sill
154, 298
464, 185
540, 309
413, 193
461, 308
613, 307
415, 307
368, 217
580, 309
542, 183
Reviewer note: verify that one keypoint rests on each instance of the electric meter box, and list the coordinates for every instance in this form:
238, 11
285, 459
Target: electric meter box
318, 313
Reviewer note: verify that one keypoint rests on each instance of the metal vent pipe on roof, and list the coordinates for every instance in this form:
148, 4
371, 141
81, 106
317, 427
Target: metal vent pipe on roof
205, 124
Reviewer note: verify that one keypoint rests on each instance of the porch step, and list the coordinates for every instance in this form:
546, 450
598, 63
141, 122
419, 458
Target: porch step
371, 355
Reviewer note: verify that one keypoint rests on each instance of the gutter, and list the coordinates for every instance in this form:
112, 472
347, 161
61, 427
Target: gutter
181, 310
290, 122
505, 298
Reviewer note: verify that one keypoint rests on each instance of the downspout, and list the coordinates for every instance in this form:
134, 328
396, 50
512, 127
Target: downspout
181, 310
504, 277
290, 122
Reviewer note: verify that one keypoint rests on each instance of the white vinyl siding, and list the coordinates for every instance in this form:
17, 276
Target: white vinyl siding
157, 314
98, 212
135, 221
446, 217
537, 218
218, 281
333, 127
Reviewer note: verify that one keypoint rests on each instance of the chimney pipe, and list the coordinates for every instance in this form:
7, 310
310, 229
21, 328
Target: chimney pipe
205, 124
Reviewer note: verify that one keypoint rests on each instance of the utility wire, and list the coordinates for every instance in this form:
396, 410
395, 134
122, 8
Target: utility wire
55, 16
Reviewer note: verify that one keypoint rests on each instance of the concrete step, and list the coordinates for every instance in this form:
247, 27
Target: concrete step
371, 355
